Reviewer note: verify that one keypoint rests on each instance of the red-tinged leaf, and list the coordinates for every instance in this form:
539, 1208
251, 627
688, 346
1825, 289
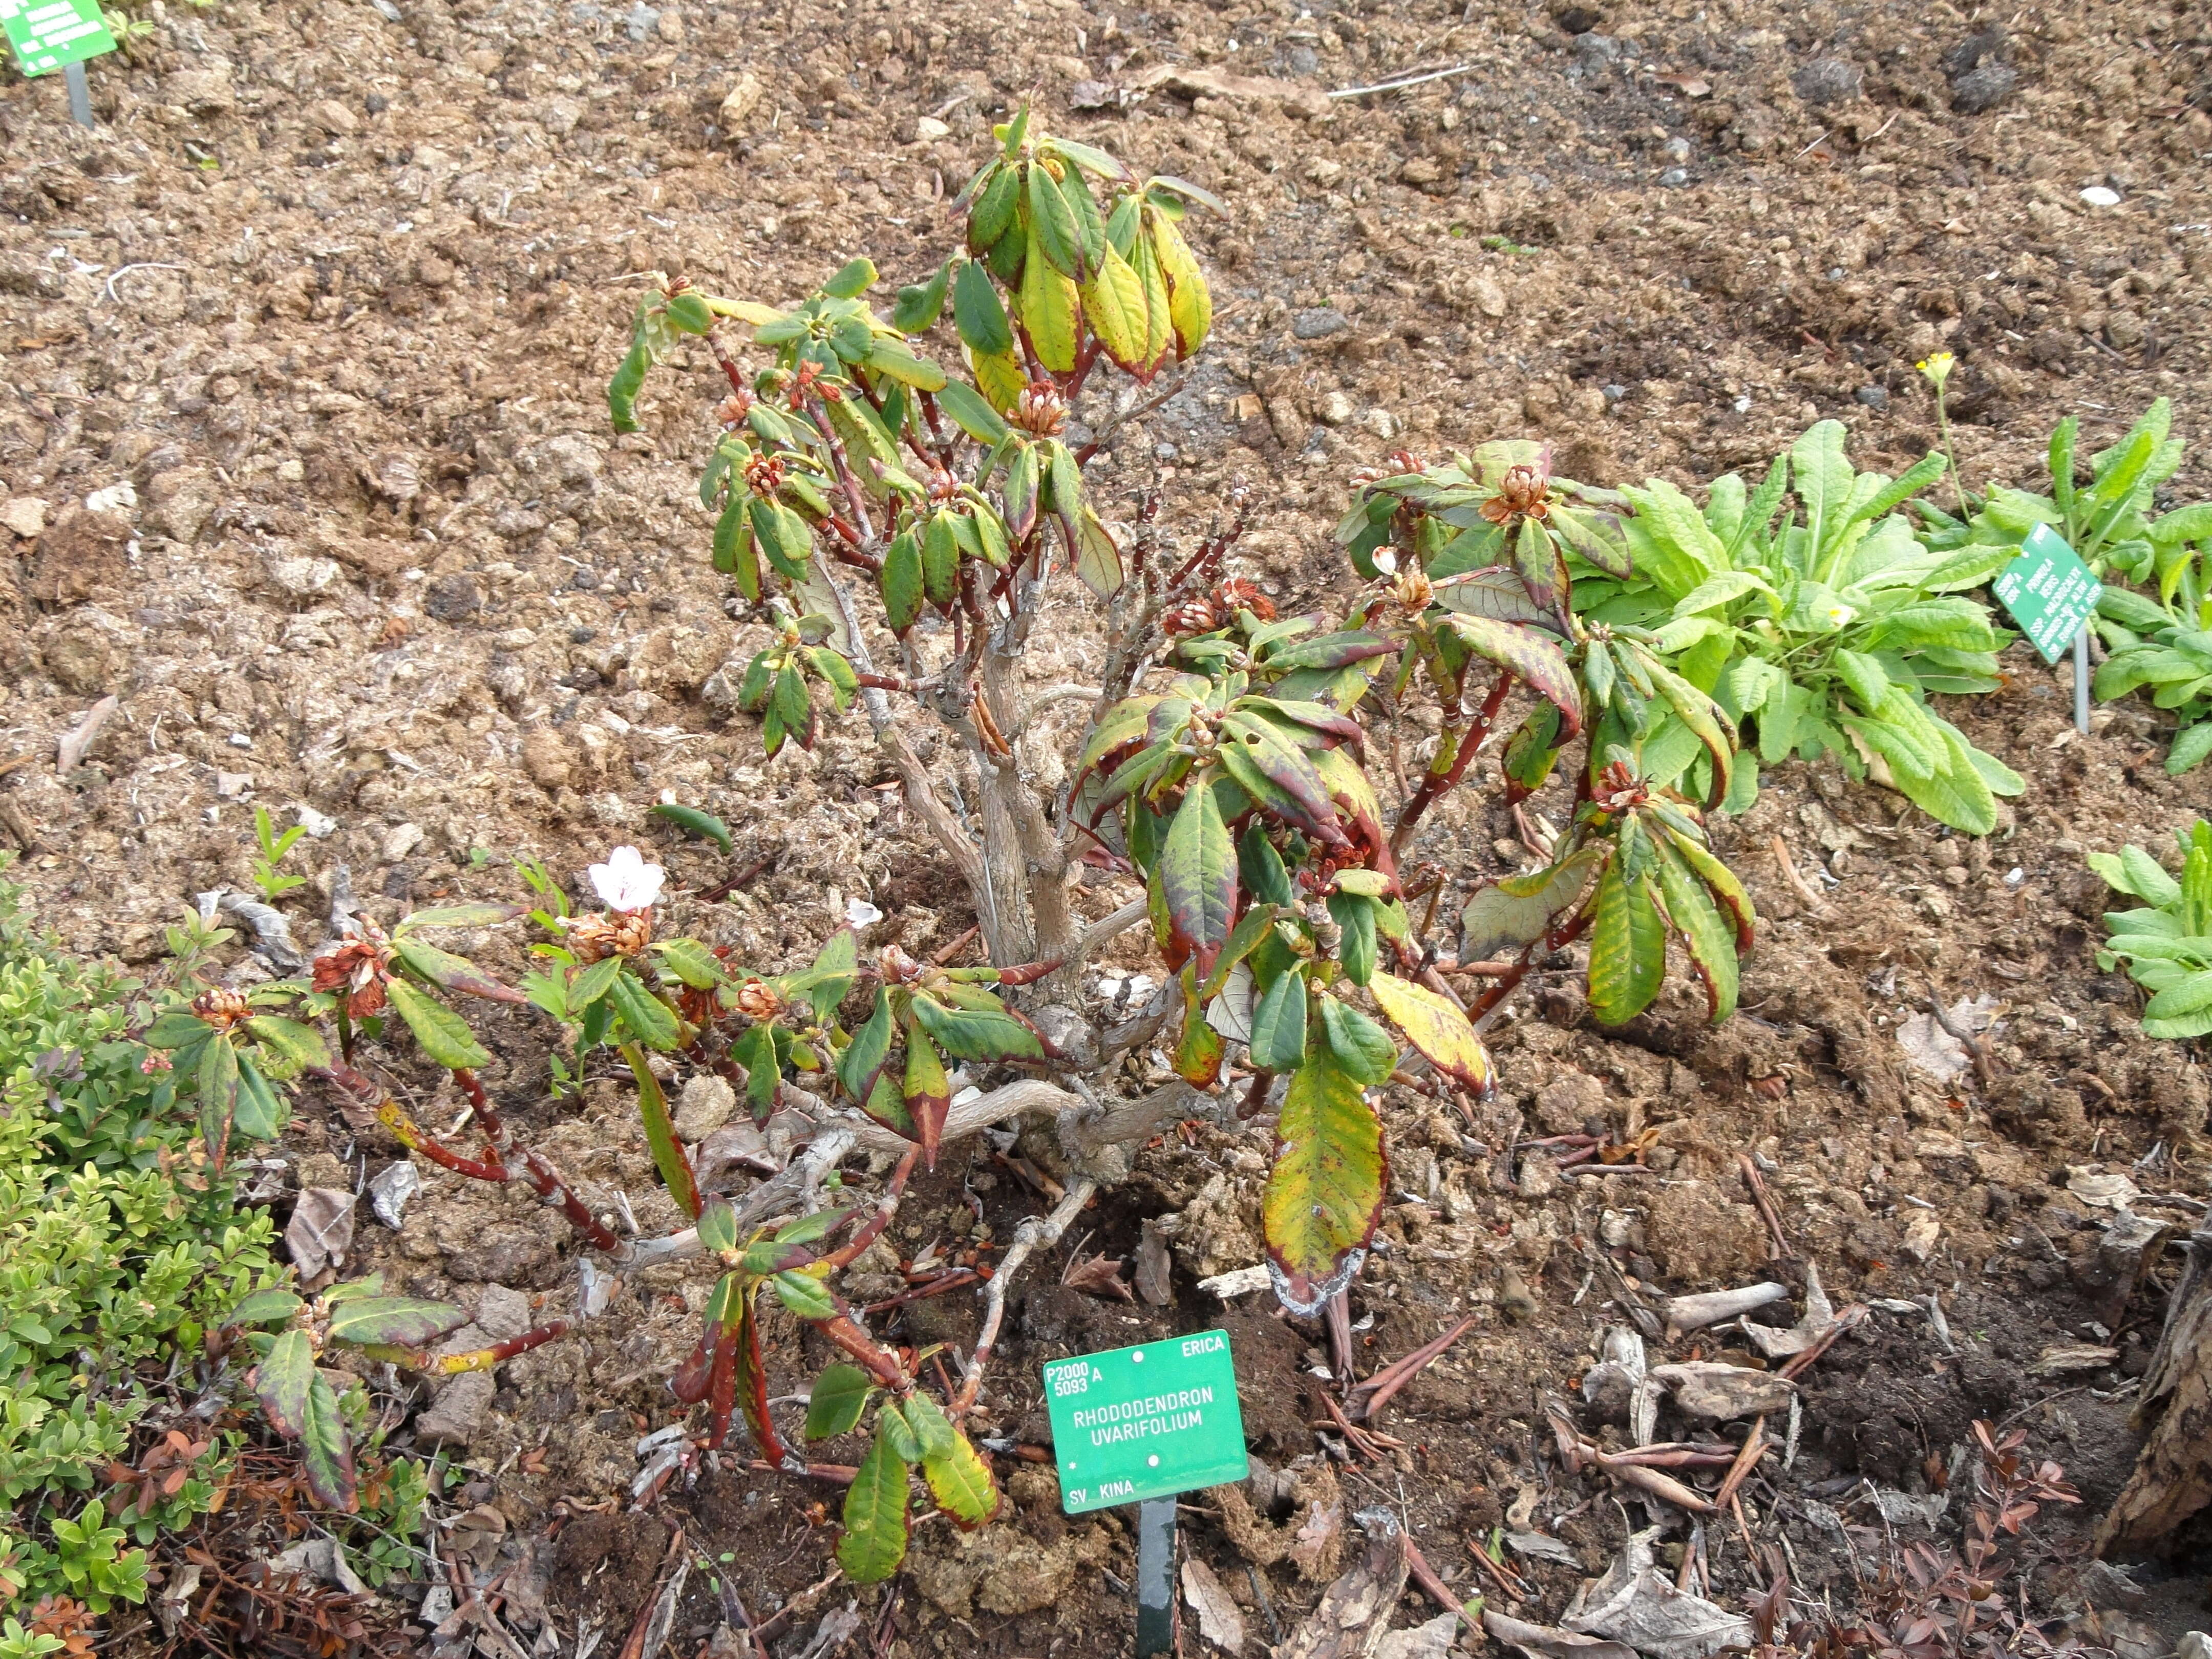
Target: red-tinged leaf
1597, 536
977, 1026
886, 1105
695, 1375
928, 1092
1542, 569
1199, 1049
668, 1152
454, 972
1120, 728
1288, 768
1326, 1192
1198, 874
1314, 716
1723, 881
1440, 1030
281, 1382
1529, 656
1329, 651
218, 1092
327, 1449
751, 1379
1495, 593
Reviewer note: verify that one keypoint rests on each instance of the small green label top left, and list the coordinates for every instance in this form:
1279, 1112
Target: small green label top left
47, 34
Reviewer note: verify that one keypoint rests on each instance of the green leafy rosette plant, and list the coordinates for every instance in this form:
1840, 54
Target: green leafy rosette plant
1808, 607
2165, 945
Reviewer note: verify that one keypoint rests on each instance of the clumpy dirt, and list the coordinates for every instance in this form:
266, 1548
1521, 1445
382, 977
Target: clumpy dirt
318, 318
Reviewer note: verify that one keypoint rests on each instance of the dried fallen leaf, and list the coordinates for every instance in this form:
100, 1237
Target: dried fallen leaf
1706, 1389
1355, 1610
1318, 1539
1219, 1621
1543, 1642
320, 1231
1100, 1276
1636, 1603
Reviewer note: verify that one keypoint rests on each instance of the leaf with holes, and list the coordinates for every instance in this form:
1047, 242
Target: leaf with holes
1198, 873
1326, 1191
1436, 1028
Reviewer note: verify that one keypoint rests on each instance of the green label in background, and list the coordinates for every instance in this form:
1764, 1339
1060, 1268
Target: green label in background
1146, 1422
49, 33
2049, 591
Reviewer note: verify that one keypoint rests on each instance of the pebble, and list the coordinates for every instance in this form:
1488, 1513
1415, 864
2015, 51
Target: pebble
453, 598
1335, 410
401, 841
1318, 325
1675, 177
927, 130
740, 101
641, 21
2101, 196
1984, 88
115, 498
26, 515
335, 118
231, 785
1873, 396
707, 1103
302, 576
1677, 151
1827, 81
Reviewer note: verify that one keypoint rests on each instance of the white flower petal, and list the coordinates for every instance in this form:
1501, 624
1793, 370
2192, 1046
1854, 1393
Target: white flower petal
626, 882
861, 914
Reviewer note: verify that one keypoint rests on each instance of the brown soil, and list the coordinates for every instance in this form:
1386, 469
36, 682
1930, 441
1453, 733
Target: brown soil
337, 296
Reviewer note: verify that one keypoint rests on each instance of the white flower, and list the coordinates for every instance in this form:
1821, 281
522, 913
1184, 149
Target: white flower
626, 882
861, 914
1838, 615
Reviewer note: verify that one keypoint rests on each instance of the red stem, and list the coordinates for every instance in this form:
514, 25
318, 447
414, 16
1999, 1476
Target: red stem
886, 1206
1437, 783
1557, 939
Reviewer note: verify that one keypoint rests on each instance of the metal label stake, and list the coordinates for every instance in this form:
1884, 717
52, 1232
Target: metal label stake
1156, 1548
80, 94
2081, 681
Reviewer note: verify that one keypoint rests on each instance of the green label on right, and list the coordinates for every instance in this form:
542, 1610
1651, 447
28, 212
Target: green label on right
1146, 1422
2049, 591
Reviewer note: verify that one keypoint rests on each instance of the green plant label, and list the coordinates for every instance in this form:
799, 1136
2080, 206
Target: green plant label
1146, 1422
2049, 591
48, 33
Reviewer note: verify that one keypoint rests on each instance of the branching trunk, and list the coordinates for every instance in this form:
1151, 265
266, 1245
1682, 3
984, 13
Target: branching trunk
2172, 1478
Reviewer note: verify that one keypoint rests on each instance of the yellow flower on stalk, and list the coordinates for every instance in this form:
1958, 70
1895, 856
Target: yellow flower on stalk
1937, 368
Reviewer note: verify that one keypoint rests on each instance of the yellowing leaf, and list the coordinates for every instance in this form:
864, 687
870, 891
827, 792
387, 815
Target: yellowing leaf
999, 377
1438, 1028
1049, 310
1190, 305
1114, 299
1326, 1192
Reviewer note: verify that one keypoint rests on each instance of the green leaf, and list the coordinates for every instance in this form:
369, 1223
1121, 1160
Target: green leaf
978, 313
453, 973
894, 362
459, 915
1021, 491
262, 1111
624, 387
218, 1095
298, 1045
1361, 1047
839, 1396
919, 303
1864, 676
175, 1030
1279, 773
1279, 1024
1260, 868
972, 413
441, 1032
1722, 883
1325, 1192
398, 1322
1355, 914
694, 822
940, 559
851, 279
1198, 873
996, 201
1439, 1029
2191, 995
691, 963
1048, 298
871, 1046
265, 1307
593, 982
875, 1513
281, 1382
1097, 559
2145, 878
976, 1033
1709, 941
805, 1295
1053, 226
668, 1155
1628, 948
649, 1019
2191, 745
